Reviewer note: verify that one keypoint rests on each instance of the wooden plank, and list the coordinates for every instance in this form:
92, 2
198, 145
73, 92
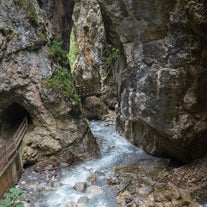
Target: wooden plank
8, 154
10, 175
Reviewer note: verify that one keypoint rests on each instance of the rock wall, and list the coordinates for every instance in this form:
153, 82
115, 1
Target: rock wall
94, 63
162, 77
56, 131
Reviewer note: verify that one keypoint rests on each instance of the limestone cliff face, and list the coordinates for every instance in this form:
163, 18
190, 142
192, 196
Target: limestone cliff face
56, 129
93, 67
162, 81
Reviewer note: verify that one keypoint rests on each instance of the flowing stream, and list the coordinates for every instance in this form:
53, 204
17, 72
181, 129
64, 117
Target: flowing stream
115, 151
85, 184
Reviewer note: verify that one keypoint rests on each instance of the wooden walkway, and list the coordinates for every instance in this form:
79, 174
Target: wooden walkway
10, 158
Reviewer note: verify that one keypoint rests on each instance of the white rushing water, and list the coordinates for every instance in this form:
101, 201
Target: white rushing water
115, 151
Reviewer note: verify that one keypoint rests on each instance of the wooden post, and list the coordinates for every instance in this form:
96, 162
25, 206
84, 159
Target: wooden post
11, 165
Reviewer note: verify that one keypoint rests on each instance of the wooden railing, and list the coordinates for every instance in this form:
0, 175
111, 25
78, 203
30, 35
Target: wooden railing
87, 90
10, 149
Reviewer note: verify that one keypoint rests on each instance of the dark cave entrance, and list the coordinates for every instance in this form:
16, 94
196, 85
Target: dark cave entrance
10, 118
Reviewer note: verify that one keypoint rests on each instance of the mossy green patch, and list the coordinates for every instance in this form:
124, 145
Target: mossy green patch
29, 8
114, 53
73, 52
58, 55
63, 82
55, 49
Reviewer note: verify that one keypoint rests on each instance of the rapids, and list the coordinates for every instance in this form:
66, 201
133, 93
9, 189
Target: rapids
115, 151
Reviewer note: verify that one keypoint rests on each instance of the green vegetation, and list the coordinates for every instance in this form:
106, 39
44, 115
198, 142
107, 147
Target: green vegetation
73, 52
55, 49
58, 55
63, 82
86, 121
114, 53
63, 56
10, 199
29, 8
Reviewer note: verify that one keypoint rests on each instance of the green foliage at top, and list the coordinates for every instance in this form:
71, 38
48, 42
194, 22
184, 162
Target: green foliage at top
113, 54
63, 83
29, 8
73, 52
10, 198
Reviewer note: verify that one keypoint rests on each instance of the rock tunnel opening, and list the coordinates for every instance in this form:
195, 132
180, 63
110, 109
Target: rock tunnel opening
10, 118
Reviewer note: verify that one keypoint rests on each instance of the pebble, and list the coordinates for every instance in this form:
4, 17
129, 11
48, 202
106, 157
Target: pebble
80, 187
83, 200
145, 190
94, 190
71, 204
124, 198
55, 184
158, 197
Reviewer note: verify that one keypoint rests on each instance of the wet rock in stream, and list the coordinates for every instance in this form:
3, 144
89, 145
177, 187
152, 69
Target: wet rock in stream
80, 187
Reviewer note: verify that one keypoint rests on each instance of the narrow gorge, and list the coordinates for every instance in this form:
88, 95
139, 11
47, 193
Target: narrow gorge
139, 66
149, 59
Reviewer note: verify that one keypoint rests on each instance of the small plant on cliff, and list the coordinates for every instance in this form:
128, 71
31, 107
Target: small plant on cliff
112, 55
29, 8
55, 49
10, 198
86, 121
58, 55
63, 82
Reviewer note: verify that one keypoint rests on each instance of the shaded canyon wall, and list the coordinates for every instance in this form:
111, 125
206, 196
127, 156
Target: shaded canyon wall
159, 73
163, 105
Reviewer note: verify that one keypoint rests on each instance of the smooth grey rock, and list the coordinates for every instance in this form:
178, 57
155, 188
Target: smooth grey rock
93, 191
83, 200
80, 187
55, 184
71, 204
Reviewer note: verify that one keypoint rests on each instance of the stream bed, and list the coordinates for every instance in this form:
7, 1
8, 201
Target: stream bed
86, 184
115, 151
